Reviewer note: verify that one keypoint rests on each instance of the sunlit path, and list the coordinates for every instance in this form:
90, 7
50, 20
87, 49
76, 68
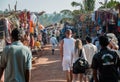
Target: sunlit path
48, 67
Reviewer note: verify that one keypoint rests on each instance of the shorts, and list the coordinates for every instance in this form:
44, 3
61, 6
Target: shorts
67, 64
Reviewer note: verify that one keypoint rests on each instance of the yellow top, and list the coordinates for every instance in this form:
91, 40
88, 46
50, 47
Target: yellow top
37, 44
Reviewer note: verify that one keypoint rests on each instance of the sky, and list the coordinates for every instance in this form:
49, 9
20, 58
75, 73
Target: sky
48, 6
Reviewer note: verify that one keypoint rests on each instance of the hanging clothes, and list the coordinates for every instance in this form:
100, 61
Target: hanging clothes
31, 27
118, 23
28, 16
33, 18
93, 17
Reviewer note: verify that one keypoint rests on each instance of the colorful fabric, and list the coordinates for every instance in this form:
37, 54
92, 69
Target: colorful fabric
31, 27
37, 44
119, 22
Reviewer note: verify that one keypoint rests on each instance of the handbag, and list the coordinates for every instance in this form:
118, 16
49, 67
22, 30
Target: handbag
81, 64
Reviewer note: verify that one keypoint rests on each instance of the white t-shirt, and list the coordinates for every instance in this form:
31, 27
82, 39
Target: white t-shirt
90, 51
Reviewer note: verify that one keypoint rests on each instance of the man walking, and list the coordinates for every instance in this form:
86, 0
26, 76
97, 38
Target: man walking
105, 63
67, 50
90, 50
16, 60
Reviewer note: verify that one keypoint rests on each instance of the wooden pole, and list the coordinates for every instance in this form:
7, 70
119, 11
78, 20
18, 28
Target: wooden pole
15, 6
9, 7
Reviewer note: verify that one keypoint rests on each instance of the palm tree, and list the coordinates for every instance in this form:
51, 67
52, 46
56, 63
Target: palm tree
67, 16
66, 12
87, 6
76, 4
109, 4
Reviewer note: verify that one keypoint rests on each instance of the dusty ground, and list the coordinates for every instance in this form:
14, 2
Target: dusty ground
48, 68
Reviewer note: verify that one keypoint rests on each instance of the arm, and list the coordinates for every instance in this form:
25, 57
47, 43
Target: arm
84, 55
61, 49
28, 68
95, 67
1, 72
27, 75
95, 75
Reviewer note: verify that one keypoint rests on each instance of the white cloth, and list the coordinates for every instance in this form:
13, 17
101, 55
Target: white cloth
68, 46
90, 51
68, 51
33, 17
93, 16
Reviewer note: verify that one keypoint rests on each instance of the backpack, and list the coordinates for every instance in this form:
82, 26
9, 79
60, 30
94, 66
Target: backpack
81, 64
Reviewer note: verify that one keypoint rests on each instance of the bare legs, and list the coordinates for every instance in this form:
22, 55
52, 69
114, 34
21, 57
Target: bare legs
82, 78
69, 76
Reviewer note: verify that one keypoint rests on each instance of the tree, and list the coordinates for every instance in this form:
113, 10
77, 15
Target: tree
66, 12
109, 4
67, 16
76, 4
87, 6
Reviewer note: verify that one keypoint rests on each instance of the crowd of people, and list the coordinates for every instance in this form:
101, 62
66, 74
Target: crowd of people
104, 61
102, 56
101, 52
21, 41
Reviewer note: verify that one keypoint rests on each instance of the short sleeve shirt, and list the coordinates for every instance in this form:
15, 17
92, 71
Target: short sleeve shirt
107, 63
16, 59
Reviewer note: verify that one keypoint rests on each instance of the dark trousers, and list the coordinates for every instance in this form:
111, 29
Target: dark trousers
53, 51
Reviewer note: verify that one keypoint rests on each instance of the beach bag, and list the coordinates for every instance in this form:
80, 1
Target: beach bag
81, 64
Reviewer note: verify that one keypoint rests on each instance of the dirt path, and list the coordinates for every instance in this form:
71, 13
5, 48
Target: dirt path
48, 67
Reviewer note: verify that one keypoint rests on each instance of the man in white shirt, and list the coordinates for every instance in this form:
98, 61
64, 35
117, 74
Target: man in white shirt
67, 49
54, 43
90, 51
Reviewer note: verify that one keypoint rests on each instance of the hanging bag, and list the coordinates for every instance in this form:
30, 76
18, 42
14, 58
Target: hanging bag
81, 64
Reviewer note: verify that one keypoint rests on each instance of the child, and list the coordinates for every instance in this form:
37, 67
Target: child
37, 44
53, 42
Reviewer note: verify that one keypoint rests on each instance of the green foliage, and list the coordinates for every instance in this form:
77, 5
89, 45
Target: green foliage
75, 4
73, 16
89, 5
66, 12
110, 4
